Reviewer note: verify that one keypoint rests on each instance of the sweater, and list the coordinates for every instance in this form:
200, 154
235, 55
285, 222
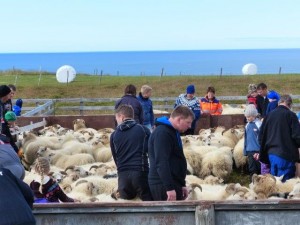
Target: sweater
168, 164
50, 190
129, 146
16, 200
193, 104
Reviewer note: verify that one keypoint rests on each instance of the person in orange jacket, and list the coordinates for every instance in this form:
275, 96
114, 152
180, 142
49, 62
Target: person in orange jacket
209, 104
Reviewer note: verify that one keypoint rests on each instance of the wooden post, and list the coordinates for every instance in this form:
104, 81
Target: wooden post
279, 70
100, 77
81, 107
40, 76
162, 72
221, 72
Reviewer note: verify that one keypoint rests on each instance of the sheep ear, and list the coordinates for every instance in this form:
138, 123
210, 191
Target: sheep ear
74, 121
51, 173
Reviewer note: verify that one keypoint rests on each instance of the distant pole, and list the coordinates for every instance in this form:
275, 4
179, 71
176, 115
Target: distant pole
16, 78
67, 77
40, 76
100, 77
162, 72
279, 70
118, 73
221, 72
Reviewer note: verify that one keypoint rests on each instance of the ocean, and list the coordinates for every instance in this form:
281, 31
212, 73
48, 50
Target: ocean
152, 63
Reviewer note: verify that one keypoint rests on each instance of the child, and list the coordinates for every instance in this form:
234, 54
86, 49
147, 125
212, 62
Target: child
10, 118
17, 108
273, 97
251, 146
252, 94
50, 190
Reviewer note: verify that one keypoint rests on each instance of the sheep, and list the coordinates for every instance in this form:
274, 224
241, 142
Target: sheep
218, 163
31, 144
77, 170
102, 154
263, 185
211, 192
207, 180
78, 124
229, 110
238, 155
295, 193
64, 161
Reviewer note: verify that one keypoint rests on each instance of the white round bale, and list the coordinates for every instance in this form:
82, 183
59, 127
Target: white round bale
249, 69
65, 74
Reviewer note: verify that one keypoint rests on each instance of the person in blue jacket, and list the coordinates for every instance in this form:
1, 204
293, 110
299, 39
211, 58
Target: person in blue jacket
251, 145
168, 166
193, 103
17, 108
144, 99
273, 97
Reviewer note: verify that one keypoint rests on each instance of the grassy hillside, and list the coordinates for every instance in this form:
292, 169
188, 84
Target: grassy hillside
31, 85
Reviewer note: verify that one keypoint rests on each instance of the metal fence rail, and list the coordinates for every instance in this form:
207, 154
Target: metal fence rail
49, 106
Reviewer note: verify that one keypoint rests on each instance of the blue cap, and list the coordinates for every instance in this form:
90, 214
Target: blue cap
190, 89
273, 95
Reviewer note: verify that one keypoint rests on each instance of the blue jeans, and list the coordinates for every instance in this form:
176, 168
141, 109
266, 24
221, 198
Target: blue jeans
280, 166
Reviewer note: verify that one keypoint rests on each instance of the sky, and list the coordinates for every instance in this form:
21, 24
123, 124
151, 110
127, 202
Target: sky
139, 25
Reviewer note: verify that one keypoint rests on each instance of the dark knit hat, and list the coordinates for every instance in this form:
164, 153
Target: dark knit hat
10, 116
190, 89
4, 90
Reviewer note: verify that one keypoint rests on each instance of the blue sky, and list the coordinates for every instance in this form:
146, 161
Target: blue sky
136, 25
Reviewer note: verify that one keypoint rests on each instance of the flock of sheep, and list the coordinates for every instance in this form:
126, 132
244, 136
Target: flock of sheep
81, 161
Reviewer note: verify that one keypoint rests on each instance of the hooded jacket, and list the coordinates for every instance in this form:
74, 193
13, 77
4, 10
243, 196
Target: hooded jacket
168, 165
129, 146
136, 105
16, 200
280, 135
147, 110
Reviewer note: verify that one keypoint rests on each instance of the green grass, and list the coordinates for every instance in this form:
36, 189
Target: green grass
28, 84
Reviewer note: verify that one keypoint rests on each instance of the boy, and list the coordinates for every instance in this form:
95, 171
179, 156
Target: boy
251, 146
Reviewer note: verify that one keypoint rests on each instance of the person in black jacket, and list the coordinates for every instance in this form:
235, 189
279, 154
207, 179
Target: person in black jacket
261, 99
129, 147
168, 166
280, 139
130, 98
16, 200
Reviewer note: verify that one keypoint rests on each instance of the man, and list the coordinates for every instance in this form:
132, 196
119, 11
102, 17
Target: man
280, 139
192, 102
209, 104
129, 147
262, 100
168, 166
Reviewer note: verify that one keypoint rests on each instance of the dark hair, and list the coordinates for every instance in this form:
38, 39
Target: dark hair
130, 90
183, 111
125, 110
261, 86
287, 99
211, 89
12, 87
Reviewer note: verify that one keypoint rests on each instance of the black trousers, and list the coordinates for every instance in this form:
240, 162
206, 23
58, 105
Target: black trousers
253, 165
159, 192
133, 184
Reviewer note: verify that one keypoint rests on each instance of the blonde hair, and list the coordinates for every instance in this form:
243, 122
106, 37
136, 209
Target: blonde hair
145, 89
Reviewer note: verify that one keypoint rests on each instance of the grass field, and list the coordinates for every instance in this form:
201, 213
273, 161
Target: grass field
32, 85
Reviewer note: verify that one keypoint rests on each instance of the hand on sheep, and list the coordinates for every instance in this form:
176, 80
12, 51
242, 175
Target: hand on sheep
184, 193
171, 195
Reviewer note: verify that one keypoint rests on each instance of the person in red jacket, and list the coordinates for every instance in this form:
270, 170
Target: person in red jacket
209, 104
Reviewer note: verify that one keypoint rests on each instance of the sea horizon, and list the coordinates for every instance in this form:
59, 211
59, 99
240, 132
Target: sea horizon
157, 63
